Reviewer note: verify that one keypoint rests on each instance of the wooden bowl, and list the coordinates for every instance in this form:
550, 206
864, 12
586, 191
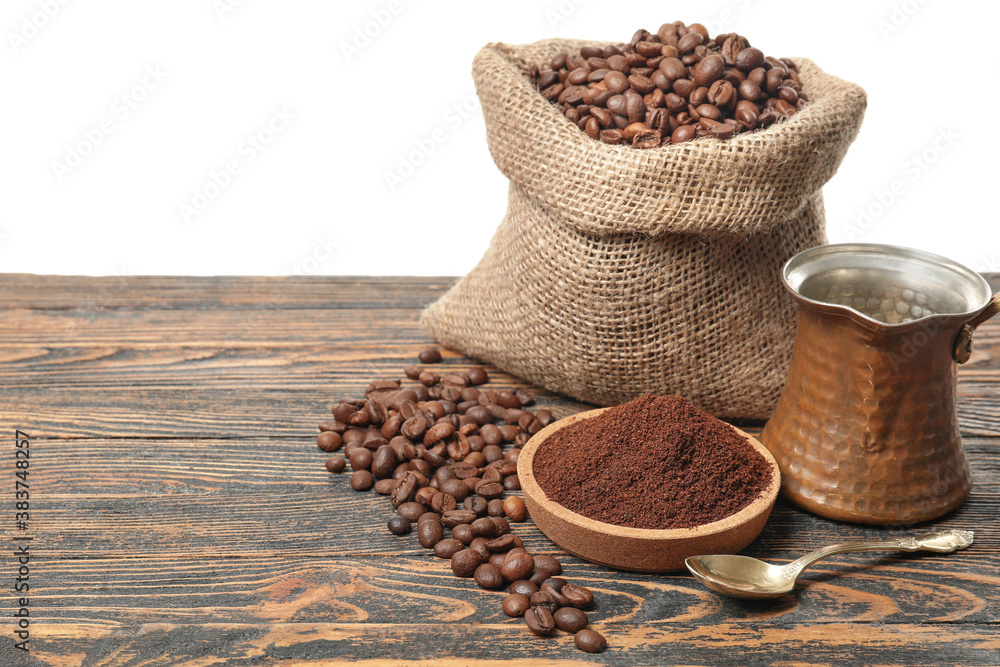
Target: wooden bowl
639, 549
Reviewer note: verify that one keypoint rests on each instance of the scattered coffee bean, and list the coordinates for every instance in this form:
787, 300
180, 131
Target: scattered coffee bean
465, 562
448, 548
518, 566
515, 605
336, 464
539, 620
570, 619
329, 441
430, 356
399, 525
362, 480
590, 641
488, 575
524, 587
578, 596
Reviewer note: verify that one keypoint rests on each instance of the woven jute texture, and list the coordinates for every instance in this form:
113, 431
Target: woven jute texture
618, 272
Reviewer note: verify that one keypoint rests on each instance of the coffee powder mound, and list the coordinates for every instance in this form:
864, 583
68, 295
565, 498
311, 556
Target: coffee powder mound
655, 462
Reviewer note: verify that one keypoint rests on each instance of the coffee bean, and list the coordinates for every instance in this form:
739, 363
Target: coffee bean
488, 575
448, 548
360, 458
384, 487
590, 641
465, 562
476, 504
454, 488
430, 356
336, 464
399, 525
456, 517
578, 596
489, 490
484, 527
569, 619
463, 533
682, 134
329, 441
362, 480
429, 533
544, 600
518, 566
515, 508
548, 564
495, 506
515, 605
539, 620
709, 70
411, 511
477, 375
523, 587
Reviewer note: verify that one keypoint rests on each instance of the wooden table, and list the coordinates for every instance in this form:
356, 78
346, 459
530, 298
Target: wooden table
180, 511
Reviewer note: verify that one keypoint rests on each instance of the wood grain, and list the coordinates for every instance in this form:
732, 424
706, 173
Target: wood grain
182, 514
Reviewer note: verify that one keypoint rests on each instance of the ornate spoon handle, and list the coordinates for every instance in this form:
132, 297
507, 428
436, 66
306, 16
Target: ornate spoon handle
944, 541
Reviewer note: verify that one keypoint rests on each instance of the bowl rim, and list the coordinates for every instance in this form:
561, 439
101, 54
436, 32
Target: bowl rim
531, 487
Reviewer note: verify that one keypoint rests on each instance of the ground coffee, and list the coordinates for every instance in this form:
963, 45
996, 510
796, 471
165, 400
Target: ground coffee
655, 462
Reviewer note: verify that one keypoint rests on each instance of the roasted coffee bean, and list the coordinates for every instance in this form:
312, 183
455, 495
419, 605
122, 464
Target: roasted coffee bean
548, 564
512, 483
553, 591
342, 412
465, 562
429, 533
411, 510
429, 517
443, 502
539, 620
509, 432
399, 525
384, 462
544, 600
489, 490
335, 426
448, 548
514, 508
384, 487
496, 559
456, 517
495, 506
360, 458
454, 488
578, 596
488, 575
479, 546
362, 480
463, 533
431, 355
336, 464
484, 527
682, 134
709, 70
329, 441
477, 375
590, 641
645, 139
502, 526
569, 619
502, 544
523, 587
515, 605
518, 566
476, 504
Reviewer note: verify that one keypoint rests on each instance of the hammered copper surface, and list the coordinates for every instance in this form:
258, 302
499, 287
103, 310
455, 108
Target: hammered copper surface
866, 429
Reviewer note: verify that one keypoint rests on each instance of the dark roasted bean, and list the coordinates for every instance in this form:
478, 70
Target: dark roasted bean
399, 525
590, 641
515, 605
539, 620
465, 562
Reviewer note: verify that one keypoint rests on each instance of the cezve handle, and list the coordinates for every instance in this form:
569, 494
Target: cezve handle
963, 344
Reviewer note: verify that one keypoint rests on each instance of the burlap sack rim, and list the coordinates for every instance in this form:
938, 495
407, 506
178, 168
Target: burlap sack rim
772, 146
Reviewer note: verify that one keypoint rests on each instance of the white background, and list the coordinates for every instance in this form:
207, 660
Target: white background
313, 197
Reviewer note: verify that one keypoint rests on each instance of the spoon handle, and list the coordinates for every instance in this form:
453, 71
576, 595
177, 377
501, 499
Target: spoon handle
944, 541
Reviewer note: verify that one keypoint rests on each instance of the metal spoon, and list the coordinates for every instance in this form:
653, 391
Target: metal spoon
745, 577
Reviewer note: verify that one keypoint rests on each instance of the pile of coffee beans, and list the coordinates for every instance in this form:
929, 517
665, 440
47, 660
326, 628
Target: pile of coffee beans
671, 86
436, 448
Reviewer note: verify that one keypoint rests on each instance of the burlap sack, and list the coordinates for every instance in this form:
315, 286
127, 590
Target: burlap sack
619, 271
